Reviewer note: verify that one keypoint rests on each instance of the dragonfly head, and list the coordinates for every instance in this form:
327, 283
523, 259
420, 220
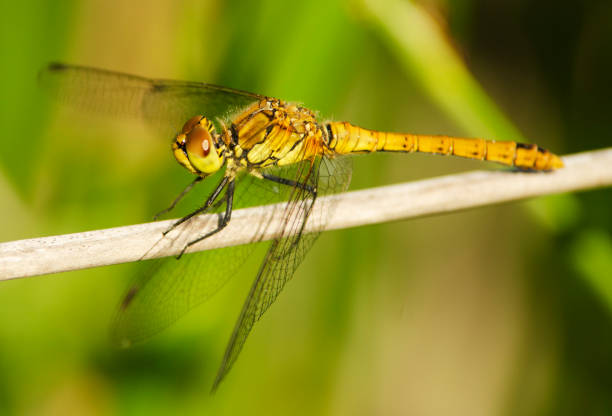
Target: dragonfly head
195, 147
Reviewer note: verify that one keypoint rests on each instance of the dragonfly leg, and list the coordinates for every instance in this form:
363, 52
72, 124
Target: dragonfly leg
211, 199
178, 198
283, 181
223, 221
300, 185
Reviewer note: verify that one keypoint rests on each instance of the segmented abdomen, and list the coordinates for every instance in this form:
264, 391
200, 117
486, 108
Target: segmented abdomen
344, 138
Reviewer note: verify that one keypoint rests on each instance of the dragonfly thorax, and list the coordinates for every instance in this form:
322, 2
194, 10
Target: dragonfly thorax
198, 147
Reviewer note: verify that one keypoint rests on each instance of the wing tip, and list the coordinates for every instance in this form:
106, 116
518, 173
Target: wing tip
222, 372
215, 385
117, 336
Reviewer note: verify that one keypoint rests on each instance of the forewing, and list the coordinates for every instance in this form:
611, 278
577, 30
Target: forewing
169, 288
164, 105
287, 252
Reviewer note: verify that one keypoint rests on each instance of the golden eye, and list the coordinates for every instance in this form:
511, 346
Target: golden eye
195, 147
198, 142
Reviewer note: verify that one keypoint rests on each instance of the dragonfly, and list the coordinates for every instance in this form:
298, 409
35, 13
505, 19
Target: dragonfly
263, 151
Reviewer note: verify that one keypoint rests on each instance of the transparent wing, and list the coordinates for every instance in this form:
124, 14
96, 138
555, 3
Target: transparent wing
165, 105
287, 252
170, 288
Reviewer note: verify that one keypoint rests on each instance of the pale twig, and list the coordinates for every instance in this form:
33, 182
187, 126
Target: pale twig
389, 203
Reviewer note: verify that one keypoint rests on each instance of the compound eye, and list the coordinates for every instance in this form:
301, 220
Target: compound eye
199, 142
196, 149
191, 123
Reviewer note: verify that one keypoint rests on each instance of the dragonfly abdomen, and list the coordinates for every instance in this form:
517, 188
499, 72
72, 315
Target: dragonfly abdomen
344, 138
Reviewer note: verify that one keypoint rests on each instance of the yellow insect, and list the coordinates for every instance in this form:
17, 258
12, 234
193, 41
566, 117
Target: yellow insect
263, 150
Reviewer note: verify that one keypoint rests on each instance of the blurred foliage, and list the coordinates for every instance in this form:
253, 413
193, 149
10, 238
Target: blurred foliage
496, 310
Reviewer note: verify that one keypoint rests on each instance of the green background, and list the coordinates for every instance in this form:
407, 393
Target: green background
499, 310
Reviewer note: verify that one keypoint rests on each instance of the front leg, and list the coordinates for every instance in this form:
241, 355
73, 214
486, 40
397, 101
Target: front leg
178, 198
229, 201
211, 199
